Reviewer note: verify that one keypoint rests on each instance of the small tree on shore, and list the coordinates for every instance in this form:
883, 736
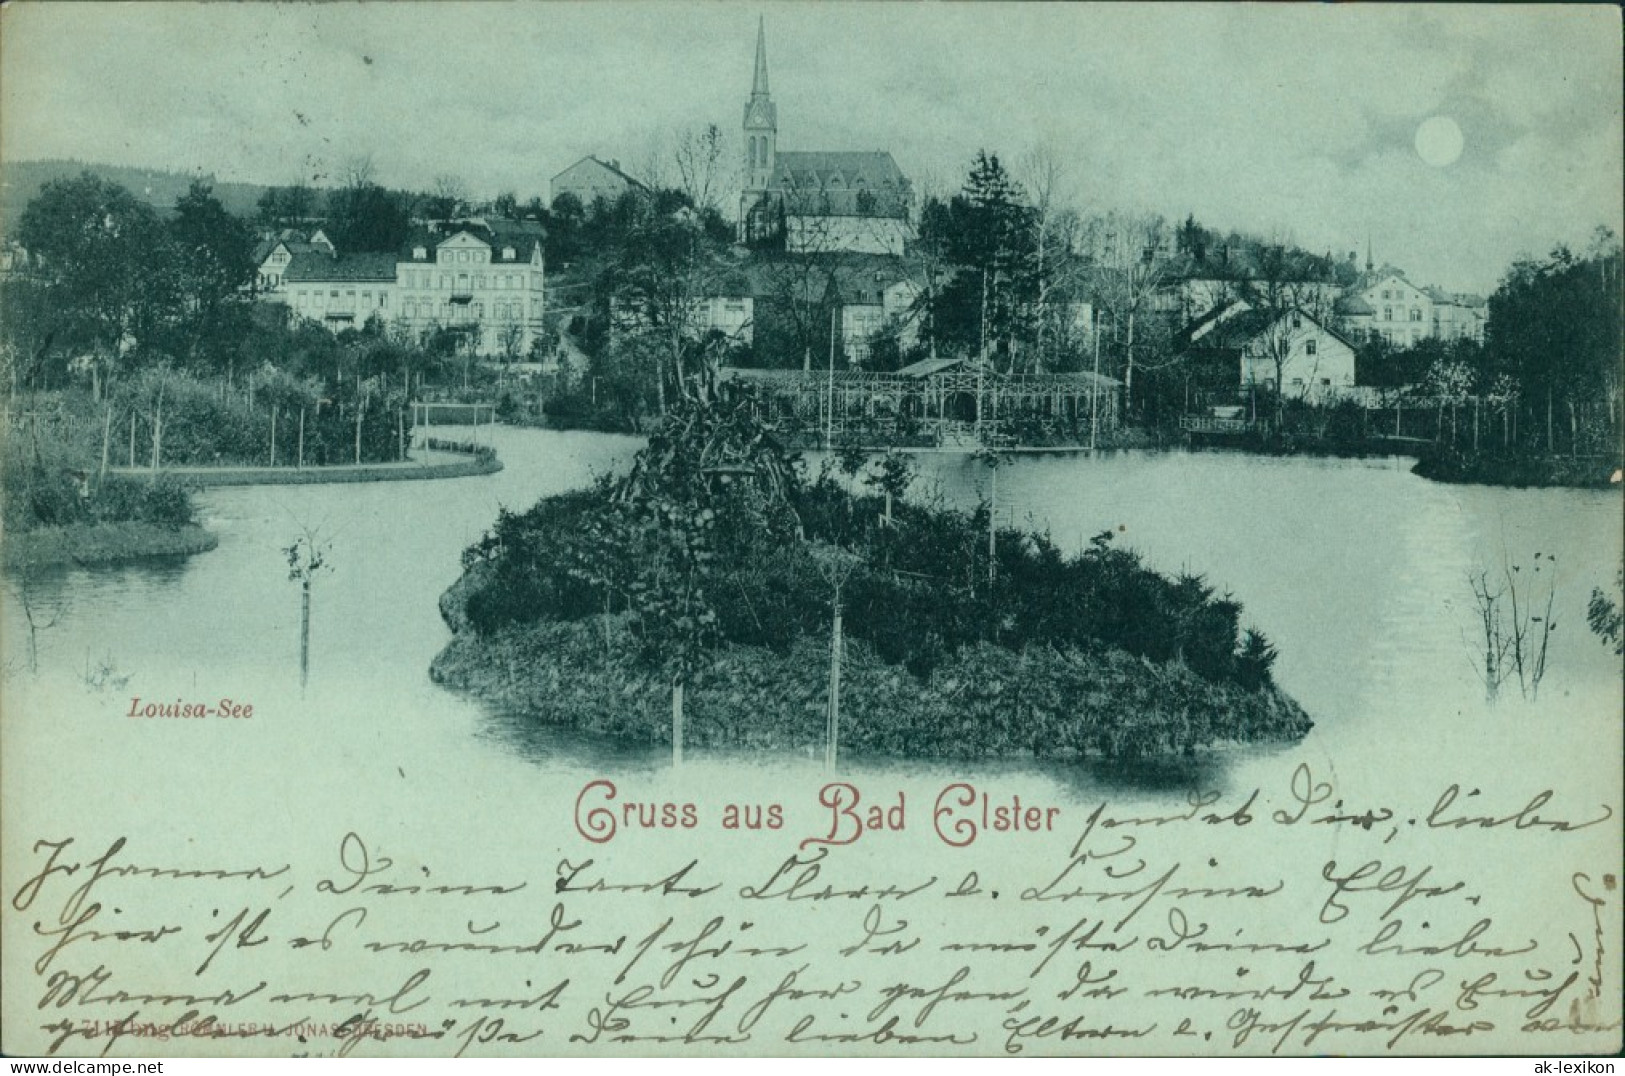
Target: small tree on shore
307, 557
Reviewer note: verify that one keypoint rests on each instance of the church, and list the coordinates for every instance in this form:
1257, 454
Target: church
816, 201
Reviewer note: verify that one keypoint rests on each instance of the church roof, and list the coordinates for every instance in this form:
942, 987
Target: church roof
840, 184
817, 170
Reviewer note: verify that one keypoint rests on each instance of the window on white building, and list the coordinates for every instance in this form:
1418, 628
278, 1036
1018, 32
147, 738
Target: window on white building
1309, 346
1416, 313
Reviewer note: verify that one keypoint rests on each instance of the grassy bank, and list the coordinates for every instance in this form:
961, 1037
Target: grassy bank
985, 701
103, 543
1521, 471
302, 476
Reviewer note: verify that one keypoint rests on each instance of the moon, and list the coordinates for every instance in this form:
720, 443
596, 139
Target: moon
1439, 141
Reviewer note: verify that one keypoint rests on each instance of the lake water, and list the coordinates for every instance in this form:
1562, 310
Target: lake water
1357, 570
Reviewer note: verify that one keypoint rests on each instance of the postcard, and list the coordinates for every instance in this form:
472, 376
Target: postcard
842, 530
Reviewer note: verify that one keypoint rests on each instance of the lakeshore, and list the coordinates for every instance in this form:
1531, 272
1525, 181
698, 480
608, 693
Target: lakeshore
985, 702
430, 464
103, 543
129, 541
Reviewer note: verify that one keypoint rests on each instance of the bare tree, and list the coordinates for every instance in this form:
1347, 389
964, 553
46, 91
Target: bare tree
359, 171
1128, 262
1044, 178
449, 195
698, 156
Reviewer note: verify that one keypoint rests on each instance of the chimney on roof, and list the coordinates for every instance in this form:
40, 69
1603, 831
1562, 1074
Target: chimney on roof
615, 163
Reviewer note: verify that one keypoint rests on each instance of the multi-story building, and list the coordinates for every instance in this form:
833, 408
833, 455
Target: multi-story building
487, 281
1401, 312
1458, 317
484, 280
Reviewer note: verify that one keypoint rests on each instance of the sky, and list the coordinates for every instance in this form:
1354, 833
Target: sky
1293, 121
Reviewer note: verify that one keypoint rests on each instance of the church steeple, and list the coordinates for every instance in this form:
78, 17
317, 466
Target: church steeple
761, 124
758, 88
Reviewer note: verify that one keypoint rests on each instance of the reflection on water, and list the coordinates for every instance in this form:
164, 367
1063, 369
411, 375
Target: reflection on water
1354, 568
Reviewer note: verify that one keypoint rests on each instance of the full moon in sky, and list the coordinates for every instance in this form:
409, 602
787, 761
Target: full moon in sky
1438, 141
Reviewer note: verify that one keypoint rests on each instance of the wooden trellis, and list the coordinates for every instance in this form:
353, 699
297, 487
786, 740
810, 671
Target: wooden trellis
955, 397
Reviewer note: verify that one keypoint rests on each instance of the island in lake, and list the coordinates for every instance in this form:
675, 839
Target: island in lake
719, 594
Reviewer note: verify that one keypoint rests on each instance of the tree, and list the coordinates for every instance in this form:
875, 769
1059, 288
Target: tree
698, 157
994, 236
1554, 327
214, 262
654, 286
1054, 230
365, 216
1128, 264
105, 260
286, 207
447, 198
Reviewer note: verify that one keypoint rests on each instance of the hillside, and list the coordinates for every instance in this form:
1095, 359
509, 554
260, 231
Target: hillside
20, 181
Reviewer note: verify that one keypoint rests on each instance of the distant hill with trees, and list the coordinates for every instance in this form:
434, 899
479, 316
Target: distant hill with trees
21, 181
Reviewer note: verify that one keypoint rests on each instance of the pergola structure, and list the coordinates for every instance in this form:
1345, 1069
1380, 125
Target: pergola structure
942, 400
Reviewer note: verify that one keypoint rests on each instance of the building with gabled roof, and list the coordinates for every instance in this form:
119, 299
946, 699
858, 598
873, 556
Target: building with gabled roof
1236, 346
816, 201
590, 179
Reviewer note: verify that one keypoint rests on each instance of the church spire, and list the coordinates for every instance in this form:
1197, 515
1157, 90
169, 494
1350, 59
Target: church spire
761, 134
759, 86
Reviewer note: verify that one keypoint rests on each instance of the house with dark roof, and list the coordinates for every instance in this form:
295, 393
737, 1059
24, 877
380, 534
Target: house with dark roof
274, 254
816, 201
590, 179
341, 291
1236, 348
